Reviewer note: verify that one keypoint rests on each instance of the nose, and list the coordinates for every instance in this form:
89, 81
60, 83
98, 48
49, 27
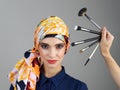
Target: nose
52, 53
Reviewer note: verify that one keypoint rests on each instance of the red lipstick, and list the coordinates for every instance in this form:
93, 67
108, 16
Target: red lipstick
52, 61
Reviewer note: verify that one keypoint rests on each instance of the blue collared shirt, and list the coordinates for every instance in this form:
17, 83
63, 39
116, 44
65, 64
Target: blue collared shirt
61, 81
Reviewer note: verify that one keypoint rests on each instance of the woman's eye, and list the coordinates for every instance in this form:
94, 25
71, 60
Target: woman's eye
59, 46
44, 46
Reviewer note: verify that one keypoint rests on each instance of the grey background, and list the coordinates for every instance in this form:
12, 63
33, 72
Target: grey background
18, 19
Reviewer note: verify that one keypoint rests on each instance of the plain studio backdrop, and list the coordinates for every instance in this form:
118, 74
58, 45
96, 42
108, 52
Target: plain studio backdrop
19, 18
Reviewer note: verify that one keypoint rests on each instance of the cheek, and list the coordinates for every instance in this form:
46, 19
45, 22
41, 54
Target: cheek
42, 52
42, 55
62, 53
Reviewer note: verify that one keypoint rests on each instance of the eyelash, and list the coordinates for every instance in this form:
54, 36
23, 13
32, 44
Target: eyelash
58, 46
44, 46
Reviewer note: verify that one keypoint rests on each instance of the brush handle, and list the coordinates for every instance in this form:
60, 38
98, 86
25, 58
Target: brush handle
87, 30
91, 54
87, 47
93, 22
86, 40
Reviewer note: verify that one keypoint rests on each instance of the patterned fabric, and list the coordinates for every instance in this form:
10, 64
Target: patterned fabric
51, 25
27, 69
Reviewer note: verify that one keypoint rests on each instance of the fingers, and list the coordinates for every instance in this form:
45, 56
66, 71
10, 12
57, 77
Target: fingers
104, 32
106, 35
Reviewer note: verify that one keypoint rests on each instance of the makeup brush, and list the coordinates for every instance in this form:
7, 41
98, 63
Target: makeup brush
91, 55
84, 41
79, 28
82, 12
87, 47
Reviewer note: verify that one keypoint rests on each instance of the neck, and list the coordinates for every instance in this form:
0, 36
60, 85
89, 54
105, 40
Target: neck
50, 72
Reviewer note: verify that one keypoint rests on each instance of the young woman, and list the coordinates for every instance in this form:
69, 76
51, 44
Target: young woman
41, 68
105, 45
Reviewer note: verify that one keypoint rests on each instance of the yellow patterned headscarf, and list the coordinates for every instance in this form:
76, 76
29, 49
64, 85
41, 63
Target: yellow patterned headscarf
52, 25
26, 72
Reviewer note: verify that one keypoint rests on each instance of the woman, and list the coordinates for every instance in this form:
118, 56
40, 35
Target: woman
41, 68
105, 45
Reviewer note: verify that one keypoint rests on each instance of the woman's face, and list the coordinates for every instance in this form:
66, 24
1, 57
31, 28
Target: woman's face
52, 51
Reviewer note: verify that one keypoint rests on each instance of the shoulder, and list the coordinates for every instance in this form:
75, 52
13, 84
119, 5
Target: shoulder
80, 85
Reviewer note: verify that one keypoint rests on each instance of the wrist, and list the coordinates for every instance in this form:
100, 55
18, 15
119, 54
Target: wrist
106, 54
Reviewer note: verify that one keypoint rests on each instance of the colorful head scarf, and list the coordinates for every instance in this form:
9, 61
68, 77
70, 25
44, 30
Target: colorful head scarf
27, 70
53, 26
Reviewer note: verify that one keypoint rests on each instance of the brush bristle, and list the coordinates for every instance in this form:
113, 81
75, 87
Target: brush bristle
81, 51
72, 44
82, 11
76, 27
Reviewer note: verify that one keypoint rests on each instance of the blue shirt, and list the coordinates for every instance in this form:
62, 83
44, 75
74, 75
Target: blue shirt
61, 81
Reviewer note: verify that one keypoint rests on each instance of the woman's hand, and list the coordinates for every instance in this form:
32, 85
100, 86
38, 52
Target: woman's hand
106, 41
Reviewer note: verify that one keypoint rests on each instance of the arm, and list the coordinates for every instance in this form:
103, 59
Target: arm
105, 45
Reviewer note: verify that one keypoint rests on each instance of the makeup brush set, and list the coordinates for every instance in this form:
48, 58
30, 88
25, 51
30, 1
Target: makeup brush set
94, 40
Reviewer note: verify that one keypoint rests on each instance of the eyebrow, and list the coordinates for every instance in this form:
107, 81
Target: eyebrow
43, 44
48, 44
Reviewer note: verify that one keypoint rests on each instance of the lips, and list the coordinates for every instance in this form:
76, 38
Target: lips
52, 61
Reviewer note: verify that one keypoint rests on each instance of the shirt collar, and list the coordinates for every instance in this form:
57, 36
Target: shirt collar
57, 79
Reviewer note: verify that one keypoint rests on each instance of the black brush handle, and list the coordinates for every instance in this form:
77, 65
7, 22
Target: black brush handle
86, 40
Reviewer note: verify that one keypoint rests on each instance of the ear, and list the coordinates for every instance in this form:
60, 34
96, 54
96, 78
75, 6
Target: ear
37, 53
